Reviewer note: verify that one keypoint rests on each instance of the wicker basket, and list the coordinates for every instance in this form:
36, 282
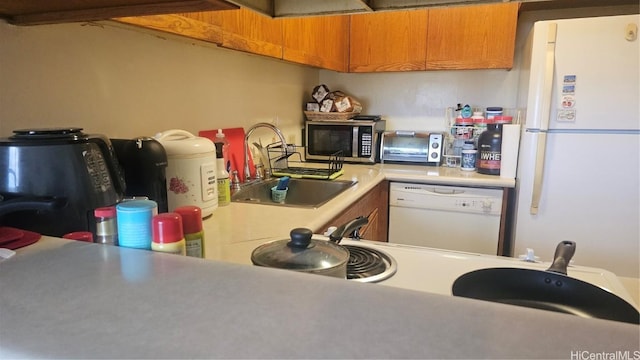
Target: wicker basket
317, 115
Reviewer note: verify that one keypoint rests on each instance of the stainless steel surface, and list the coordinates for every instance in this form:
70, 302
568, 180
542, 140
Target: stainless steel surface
301, 193
414, 147
246, 144
358, 139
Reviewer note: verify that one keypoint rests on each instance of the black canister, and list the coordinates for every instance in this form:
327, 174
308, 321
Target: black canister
489, 150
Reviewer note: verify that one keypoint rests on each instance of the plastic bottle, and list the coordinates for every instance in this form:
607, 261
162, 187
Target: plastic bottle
224, 188
469, 153
166, 229
490, 149
106, 226
193, 232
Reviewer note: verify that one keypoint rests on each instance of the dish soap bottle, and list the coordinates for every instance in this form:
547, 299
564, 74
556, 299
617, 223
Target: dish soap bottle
224, 188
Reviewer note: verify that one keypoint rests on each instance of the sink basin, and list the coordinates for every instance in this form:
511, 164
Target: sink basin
302, 192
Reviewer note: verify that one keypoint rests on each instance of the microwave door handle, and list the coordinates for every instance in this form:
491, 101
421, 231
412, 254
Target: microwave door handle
354, 142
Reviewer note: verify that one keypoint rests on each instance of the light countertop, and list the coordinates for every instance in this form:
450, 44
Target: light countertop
233, 231
70, 299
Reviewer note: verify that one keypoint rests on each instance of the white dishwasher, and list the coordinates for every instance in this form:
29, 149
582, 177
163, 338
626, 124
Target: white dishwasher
445, 217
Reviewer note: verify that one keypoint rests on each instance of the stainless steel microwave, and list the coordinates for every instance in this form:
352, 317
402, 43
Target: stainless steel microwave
359, 139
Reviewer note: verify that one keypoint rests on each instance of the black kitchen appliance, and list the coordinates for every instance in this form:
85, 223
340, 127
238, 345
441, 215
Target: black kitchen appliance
51, 180
144, 162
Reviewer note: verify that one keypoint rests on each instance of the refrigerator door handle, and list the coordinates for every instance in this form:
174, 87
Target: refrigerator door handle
549, 69
536, 194
545, 113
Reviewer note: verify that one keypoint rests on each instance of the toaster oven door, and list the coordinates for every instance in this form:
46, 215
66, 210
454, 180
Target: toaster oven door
412, 147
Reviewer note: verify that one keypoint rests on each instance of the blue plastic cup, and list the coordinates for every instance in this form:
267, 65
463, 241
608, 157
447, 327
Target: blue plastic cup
134, 223
278, 195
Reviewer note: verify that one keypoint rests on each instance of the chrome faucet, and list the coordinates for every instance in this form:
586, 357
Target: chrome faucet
246, 144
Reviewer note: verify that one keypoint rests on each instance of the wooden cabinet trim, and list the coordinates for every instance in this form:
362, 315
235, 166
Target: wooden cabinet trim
178, 25
58, 11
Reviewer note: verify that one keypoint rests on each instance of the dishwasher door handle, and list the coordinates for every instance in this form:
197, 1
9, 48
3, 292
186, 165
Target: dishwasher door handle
438, 191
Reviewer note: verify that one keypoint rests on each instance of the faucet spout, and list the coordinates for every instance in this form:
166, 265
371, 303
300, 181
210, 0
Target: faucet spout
278, 133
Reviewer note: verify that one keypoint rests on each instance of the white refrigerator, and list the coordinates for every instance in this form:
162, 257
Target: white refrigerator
578, 174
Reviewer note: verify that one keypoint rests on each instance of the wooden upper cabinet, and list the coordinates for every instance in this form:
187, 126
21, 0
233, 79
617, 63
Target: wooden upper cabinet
472, 37
59, 11
321, 41
249, 31
187, 25
388, 41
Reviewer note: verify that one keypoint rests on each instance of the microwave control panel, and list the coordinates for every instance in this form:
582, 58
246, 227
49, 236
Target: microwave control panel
365, 144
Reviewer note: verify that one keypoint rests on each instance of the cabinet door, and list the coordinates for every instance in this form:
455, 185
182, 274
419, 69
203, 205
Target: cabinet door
249, 31
388, 41
472, 37
320, 41
375, 205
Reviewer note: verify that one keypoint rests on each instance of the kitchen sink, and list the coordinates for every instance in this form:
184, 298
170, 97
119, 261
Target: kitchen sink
301, 193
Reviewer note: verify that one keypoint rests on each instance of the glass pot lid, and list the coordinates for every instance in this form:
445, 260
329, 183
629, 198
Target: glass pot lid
301, 253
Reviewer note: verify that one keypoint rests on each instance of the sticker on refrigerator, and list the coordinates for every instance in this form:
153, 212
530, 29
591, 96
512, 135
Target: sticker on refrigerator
569, 84
566, 115
568, 101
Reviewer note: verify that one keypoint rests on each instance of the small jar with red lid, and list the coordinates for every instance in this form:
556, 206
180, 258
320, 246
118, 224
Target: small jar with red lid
106, 226
167, 234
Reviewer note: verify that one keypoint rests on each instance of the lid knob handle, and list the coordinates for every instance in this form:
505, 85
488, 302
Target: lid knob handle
300, 238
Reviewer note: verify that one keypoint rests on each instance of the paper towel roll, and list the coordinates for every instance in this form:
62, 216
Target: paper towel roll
509, 152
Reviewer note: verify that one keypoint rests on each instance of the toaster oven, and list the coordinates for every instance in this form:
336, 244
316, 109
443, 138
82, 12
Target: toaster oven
412, 147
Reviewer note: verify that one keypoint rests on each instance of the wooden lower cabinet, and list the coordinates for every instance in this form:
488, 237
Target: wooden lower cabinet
375, 205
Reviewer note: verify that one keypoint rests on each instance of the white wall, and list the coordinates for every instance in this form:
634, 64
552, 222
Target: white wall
125, 82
